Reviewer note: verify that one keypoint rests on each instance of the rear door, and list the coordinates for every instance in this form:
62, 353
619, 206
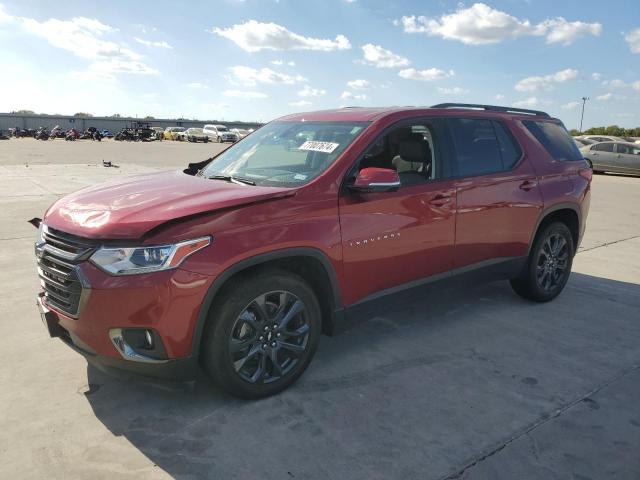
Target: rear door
498, 201
628, 158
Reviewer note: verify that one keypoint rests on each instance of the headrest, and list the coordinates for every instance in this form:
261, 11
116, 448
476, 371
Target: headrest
415, 151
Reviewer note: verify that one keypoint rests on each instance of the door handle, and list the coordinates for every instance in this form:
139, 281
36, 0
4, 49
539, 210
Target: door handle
440, 200
528, 185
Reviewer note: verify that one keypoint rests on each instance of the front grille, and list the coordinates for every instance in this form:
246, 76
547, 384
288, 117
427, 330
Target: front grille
58, 257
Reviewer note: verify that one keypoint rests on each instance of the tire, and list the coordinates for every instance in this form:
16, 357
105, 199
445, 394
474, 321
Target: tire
236, 319
544, 278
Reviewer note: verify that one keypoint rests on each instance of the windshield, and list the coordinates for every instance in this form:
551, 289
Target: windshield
222, 128
285, 154
195, 130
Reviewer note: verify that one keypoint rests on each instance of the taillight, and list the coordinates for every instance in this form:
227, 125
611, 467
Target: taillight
586, 173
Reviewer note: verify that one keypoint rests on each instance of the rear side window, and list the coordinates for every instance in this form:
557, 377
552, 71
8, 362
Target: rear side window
603, 147
555, 139
476, 146
509, 149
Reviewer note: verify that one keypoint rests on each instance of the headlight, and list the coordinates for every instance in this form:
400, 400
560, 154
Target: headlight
133, 260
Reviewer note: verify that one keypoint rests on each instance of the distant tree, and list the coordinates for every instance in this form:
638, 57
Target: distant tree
574, 132
82, 114
149, 117
24, 112
116, 115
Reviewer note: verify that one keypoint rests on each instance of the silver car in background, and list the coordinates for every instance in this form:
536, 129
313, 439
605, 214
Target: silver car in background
616, 157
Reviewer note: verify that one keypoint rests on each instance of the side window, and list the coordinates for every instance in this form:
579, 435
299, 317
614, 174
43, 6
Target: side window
509, 149
409, 149
555, 139
476, 146
604, 147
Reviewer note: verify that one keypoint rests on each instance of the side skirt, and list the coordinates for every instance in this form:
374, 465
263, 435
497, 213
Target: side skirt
468, 276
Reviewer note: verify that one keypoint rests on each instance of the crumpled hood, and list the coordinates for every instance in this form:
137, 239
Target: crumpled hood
127, 209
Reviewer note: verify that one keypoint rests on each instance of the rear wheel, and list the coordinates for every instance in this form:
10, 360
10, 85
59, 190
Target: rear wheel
261, 334
549, 265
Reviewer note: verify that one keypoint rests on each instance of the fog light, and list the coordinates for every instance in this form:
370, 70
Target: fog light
138, 344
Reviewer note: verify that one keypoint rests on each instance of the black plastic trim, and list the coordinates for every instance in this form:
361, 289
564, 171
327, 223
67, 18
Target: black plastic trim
554, 208
252, 262
492, 108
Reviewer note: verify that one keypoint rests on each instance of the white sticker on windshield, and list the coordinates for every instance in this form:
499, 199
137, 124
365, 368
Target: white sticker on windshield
324, 147
299, 176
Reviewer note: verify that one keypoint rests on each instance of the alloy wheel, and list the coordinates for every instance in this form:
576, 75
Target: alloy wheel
269, 337
553, 259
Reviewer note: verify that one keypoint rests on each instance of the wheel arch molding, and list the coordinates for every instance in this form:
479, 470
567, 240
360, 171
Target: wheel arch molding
331, 307
554, 211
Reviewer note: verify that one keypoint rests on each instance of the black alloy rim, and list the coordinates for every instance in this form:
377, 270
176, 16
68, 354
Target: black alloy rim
553, 261
269, 337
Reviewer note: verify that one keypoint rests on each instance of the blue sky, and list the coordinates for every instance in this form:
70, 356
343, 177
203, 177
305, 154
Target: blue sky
260, 59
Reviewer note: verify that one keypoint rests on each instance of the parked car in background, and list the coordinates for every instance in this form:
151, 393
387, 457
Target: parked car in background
240, 262
159, 132
616, 157
171, 133
106, 133
601, 138
581, 142
240, 132
196, 135
220, 133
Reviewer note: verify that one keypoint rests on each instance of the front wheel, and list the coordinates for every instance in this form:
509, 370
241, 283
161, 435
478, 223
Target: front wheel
261, 334
548, 266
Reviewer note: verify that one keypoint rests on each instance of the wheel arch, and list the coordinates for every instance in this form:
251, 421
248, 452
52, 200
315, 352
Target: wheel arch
567, 213
309, 263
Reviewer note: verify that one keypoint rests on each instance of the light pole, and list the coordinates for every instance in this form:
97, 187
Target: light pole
584, 100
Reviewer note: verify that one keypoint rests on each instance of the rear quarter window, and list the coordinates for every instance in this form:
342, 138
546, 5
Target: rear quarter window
555, 139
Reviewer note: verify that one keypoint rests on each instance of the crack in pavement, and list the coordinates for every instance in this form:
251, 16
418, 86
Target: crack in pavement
459, 472
606, 244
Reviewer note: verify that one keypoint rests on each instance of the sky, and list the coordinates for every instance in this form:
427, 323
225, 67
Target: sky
256, 60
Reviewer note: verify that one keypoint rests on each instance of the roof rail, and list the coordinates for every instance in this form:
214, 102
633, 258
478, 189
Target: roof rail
491, 108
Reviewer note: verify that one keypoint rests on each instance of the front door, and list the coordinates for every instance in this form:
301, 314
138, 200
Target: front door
390, 239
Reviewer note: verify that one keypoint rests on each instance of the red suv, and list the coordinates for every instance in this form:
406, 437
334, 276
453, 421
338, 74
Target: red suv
240, 262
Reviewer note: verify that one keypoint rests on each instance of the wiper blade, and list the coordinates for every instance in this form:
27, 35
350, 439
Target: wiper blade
231, 178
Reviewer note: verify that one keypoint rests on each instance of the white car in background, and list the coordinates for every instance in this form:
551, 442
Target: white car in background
220, 133
240, 132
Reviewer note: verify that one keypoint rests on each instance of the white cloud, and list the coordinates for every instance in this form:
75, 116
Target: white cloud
85, 38
633, 39
381, 57
308, 91
570, 106
605, 97
243, 94
4, 16
196, 85
149, 43
615, 83
253, 36
636, 85
481, 24
249, 77
352, 96
596, 76
427, 75
452, 91
546, 82
359, 84
300, 103
499, 96
528, 102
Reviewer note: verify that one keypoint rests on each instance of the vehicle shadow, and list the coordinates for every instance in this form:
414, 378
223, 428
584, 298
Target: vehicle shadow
394, 396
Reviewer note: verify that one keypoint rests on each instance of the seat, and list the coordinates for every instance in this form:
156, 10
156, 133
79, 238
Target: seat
413, 162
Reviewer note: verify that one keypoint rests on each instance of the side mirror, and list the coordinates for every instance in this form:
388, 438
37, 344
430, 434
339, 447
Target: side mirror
372, 179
